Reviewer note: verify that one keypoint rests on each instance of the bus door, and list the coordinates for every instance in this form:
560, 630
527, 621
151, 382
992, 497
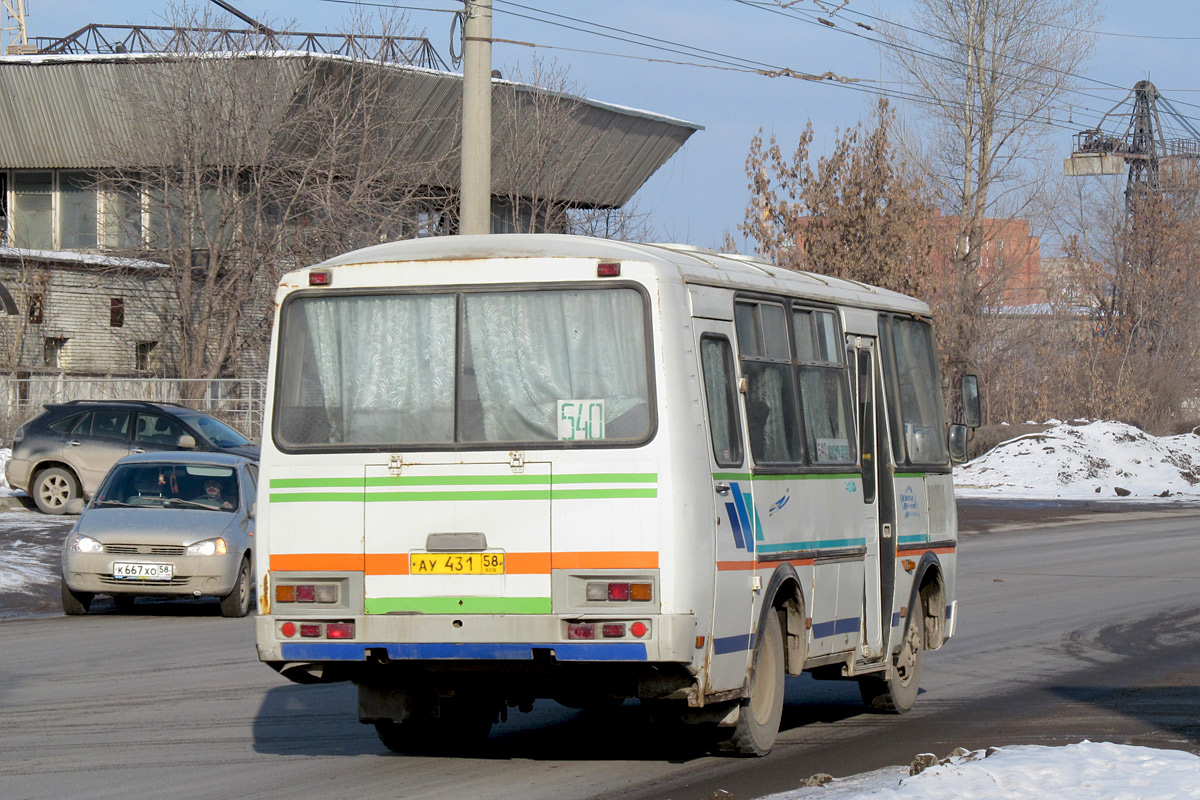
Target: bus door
730, 642
879, 536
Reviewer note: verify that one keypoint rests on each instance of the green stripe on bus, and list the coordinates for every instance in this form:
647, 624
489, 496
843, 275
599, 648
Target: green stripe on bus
319, 497
463, 480
458, 605
315, 483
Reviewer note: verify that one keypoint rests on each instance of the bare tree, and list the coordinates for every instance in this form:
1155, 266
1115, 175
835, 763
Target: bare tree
246, 164
860, 213
542, 154
989, 74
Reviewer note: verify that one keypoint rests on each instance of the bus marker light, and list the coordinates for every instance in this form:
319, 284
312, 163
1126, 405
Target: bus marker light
288, 629
641, 592
614, 630
339, 630
618, 591
699, 642
639, 629
320, 277
608, 270
909, 564
310, 630
581, 630
285, 594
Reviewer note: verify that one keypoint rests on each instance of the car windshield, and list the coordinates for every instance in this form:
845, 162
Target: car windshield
217, 432
167, 485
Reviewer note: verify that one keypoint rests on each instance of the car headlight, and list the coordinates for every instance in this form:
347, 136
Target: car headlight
209, 547
85, 544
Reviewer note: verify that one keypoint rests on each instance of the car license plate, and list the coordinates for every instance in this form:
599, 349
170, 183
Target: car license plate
144, 572
456, 564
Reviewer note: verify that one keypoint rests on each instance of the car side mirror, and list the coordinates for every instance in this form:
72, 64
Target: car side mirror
972, 414
187, 442
957, 440
75, 505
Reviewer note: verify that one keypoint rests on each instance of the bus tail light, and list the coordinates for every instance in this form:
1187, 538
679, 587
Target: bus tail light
339, 630
581, 630
317, 630
306, 593
613, 630
619, 592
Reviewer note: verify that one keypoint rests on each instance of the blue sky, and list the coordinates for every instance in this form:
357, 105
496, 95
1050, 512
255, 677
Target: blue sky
702, 192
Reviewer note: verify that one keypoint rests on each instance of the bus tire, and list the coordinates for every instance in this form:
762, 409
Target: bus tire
761, 711
896, 692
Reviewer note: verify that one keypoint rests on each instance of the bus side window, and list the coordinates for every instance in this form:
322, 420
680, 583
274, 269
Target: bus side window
720, 392
772, 414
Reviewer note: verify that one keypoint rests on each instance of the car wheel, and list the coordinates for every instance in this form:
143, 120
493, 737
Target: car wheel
54, 488
75, 603
237, 602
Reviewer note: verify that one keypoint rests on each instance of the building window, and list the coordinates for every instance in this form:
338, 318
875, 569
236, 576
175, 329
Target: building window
52, 348
33, 210
37, 305
122, 228
77, 211
144, 356
116, 312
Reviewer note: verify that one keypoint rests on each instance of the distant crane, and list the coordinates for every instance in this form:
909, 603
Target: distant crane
1157, 164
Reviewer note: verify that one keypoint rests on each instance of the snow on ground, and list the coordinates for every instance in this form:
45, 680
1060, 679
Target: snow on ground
1096, 461
1083, 771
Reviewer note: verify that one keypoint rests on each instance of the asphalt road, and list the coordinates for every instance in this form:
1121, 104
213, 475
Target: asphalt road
1073, 625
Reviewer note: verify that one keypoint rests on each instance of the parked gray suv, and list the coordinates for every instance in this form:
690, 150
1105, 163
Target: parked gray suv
64, 452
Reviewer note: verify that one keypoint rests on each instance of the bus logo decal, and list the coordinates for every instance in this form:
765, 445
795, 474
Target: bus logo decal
741, 512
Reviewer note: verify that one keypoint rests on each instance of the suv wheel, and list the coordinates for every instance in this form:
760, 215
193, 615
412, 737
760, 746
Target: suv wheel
54, 488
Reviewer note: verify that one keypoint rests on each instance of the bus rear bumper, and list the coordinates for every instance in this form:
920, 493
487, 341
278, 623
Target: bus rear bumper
392, 638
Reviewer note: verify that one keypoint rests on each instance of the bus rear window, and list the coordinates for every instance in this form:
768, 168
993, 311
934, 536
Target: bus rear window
547, 367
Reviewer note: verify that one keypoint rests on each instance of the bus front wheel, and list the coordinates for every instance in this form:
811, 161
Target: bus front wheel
760, 712
897, 692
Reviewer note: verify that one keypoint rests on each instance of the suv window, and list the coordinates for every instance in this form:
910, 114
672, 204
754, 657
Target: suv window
110, 423
157, 429
66, 424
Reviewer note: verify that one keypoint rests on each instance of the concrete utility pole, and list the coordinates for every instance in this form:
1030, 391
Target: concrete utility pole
475, 203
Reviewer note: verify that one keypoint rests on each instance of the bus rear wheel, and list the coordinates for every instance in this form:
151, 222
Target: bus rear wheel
897, 692
760, 713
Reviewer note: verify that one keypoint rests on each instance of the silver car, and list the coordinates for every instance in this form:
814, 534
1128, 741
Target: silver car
179, 523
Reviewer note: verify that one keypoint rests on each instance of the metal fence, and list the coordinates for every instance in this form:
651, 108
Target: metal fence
236, 401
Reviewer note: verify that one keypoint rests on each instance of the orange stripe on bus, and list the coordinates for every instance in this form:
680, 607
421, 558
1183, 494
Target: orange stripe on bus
317, 562
514, 563
908, 551
632, 559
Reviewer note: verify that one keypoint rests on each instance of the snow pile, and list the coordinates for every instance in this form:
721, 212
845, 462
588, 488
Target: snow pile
1100, 460
1084, 771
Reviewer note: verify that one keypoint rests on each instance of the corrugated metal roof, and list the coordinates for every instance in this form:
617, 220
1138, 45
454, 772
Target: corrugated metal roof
65, 112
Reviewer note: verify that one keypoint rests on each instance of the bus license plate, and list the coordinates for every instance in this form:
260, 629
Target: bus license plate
144, 572
456, 564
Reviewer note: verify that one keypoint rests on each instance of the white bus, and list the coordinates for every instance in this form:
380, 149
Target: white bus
504, 468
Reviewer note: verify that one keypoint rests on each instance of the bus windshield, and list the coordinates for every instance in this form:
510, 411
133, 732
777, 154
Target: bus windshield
405, 369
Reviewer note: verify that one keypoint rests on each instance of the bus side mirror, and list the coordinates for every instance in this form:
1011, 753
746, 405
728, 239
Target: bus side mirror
957, 439
972, 416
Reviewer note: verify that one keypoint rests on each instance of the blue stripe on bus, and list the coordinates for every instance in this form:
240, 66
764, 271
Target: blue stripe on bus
823, 544
913, 539
732, 512
732, 644
448, 651
740, 501
836, 627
